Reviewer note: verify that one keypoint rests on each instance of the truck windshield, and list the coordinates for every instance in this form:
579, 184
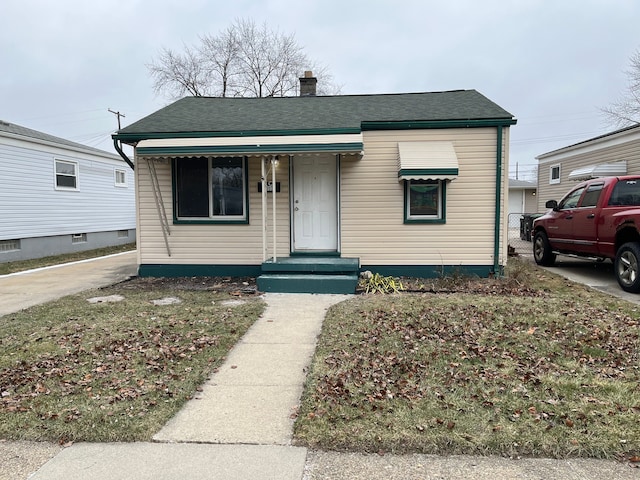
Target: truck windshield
625, 193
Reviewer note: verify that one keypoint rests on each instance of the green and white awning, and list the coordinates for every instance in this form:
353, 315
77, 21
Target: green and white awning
427, 161
347, 144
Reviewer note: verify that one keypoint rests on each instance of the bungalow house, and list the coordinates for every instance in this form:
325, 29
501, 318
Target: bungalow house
305, 192
58, 196
614, 153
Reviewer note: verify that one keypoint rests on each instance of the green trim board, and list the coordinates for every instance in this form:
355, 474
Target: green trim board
430, 271
312, 254
496, 241
430, 124
427, 171
418, 271
192, 270
251, 149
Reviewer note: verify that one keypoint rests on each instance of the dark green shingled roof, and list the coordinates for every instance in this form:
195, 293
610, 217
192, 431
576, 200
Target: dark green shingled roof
197, 116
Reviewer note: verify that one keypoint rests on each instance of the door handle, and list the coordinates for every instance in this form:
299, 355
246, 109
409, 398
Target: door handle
569, 217
591, 215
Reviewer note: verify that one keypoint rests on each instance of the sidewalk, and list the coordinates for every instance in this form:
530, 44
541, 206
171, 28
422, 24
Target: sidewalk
240, 426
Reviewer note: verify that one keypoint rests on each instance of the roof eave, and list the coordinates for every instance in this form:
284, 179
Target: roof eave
133, 138
426, 124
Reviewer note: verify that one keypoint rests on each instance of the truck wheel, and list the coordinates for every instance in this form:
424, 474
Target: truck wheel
627, 267
542, 253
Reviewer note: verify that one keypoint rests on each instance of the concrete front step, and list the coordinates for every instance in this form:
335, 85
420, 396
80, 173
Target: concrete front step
307, 283
301, 264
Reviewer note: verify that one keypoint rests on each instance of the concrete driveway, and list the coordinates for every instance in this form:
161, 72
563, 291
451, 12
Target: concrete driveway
597, 275
25, 289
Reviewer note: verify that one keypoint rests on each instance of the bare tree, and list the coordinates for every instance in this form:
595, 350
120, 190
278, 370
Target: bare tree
219, 55
626, 110
180, 73
245, 60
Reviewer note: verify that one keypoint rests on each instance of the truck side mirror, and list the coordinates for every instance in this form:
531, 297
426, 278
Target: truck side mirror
551, 204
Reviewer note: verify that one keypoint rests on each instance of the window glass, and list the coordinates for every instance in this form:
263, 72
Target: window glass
424, 199
626, 192
227, 185
121, 178
554, 174
571, 200
210, 188
592, 195
192, 191
66, 176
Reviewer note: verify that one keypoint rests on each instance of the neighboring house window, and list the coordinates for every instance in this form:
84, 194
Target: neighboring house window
121, 178
554, 174
9, 245
211, 189
424, 201
79, 238
66, 175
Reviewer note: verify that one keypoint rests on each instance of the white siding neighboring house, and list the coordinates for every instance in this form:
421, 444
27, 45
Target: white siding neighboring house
58, 196
615, 153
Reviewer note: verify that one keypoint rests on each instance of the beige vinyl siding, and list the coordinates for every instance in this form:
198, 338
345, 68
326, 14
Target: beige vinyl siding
530, 201
372, 208
209, 244
586, 155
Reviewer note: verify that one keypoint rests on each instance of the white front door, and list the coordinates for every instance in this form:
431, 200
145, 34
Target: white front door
315, 203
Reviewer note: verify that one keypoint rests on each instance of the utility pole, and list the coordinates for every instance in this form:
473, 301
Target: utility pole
117, 114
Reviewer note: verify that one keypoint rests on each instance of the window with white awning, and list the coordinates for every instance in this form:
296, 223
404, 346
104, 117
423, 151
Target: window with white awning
427, 161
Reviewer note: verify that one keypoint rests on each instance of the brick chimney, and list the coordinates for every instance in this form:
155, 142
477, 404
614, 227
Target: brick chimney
308, 84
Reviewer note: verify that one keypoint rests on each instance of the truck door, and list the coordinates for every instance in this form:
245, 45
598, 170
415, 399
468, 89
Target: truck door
585, 218
560, 228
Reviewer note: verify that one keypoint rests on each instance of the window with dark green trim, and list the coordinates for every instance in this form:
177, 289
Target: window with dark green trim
424, 201
210, 189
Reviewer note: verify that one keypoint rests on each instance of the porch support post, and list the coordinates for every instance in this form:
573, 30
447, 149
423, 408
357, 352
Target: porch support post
263, 179
274, 161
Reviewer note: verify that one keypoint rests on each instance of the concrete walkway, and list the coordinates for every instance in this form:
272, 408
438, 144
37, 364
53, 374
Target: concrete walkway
240, 426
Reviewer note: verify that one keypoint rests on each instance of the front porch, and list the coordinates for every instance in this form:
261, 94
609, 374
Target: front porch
310, 274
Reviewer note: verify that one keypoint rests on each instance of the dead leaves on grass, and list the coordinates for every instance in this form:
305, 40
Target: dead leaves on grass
418, 350
107, 368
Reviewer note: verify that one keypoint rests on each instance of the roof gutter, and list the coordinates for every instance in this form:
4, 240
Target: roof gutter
117, 145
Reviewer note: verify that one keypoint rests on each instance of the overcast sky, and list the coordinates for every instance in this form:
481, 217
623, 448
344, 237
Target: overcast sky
551, 63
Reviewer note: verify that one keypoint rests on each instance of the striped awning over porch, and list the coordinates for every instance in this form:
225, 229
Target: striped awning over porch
427, 161
347, 144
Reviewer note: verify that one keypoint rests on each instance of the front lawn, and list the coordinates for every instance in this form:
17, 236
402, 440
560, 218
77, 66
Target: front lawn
71, 370
531, 365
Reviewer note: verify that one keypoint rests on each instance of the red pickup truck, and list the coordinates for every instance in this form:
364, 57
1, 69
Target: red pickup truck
597, 219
